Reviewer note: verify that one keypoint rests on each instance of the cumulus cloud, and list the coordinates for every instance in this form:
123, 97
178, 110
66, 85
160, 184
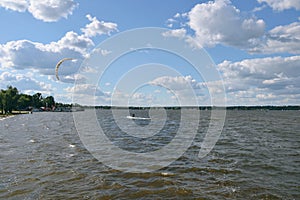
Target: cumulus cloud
85, 89
15, 5
25, 54
176, 20
271, 79
185, 88
72, 40
25, 82
97, 27
192, 92
176, 83
103, 52
220, 22
51, 10
78, 78
260, 81
170, 22
282, 4
17, 57
179, 33
141, 99
87, 94
280, 39
48, 10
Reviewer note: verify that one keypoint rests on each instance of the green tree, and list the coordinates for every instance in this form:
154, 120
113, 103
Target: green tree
24, 101
12, 98
49, 101
9, 98
2, 94
37, 100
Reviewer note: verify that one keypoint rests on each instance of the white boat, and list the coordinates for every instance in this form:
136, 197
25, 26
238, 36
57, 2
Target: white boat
138, 118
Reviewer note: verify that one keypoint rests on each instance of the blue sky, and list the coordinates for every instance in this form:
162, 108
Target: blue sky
255, 45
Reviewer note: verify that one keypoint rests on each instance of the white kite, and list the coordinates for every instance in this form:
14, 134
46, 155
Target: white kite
59, 63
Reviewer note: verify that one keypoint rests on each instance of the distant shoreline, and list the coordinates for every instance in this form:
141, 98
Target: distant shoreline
290, 107
279, 108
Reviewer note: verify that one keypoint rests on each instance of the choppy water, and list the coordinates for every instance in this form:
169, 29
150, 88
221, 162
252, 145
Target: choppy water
256, 157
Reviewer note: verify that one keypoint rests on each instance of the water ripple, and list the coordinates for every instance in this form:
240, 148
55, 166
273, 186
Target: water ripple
257, 157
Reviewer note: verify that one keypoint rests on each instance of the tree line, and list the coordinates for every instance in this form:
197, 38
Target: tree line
11, 99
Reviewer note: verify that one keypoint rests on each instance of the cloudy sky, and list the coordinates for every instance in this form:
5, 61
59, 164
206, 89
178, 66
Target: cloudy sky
255, 45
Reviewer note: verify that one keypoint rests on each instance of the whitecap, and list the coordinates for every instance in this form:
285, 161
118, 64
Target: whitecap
166, 174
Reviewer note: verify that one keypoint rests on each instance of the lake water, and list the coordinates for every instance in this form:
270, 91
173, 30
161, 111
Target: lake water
256, 157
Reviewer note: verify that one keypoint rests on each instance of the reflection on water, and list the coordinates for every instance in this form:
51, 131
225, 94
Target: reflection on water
256, 157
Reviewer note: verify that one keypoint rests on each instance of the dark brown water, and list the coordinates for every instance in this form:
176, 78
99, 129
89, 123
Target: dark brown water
256, 157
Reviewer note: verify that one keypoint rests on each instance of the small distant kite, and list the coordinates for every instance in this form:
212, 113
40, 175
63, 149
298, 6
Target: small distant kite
59, 63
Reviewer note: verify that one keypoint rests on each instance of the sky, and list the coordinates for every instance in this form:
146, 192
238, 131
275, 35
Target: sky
254, 46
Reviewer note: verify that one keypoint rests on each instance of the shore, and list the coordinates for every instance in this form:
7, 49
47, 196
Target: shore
5, 116
15, 112
2, 117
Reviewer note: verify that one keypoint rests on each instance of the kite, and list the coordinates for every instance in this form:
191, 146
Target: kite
59, 63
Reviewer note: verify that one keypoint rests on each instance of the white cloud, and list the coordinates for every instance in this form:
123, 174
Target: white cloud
105, 52
171, 22
142, 99
281, 39
84, 95
25, 54
177, 15
85, 89
25, 82
7, 77
176, 20
78, 78
185, 88
164, 91
51, 10
175, 83
192, 92
282, 4
272, 79
17, 57
15, 5
72, 40
97, 27
220, 22
88, 69
179, 33
47, 10
87, 94
257, 9
138, 96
